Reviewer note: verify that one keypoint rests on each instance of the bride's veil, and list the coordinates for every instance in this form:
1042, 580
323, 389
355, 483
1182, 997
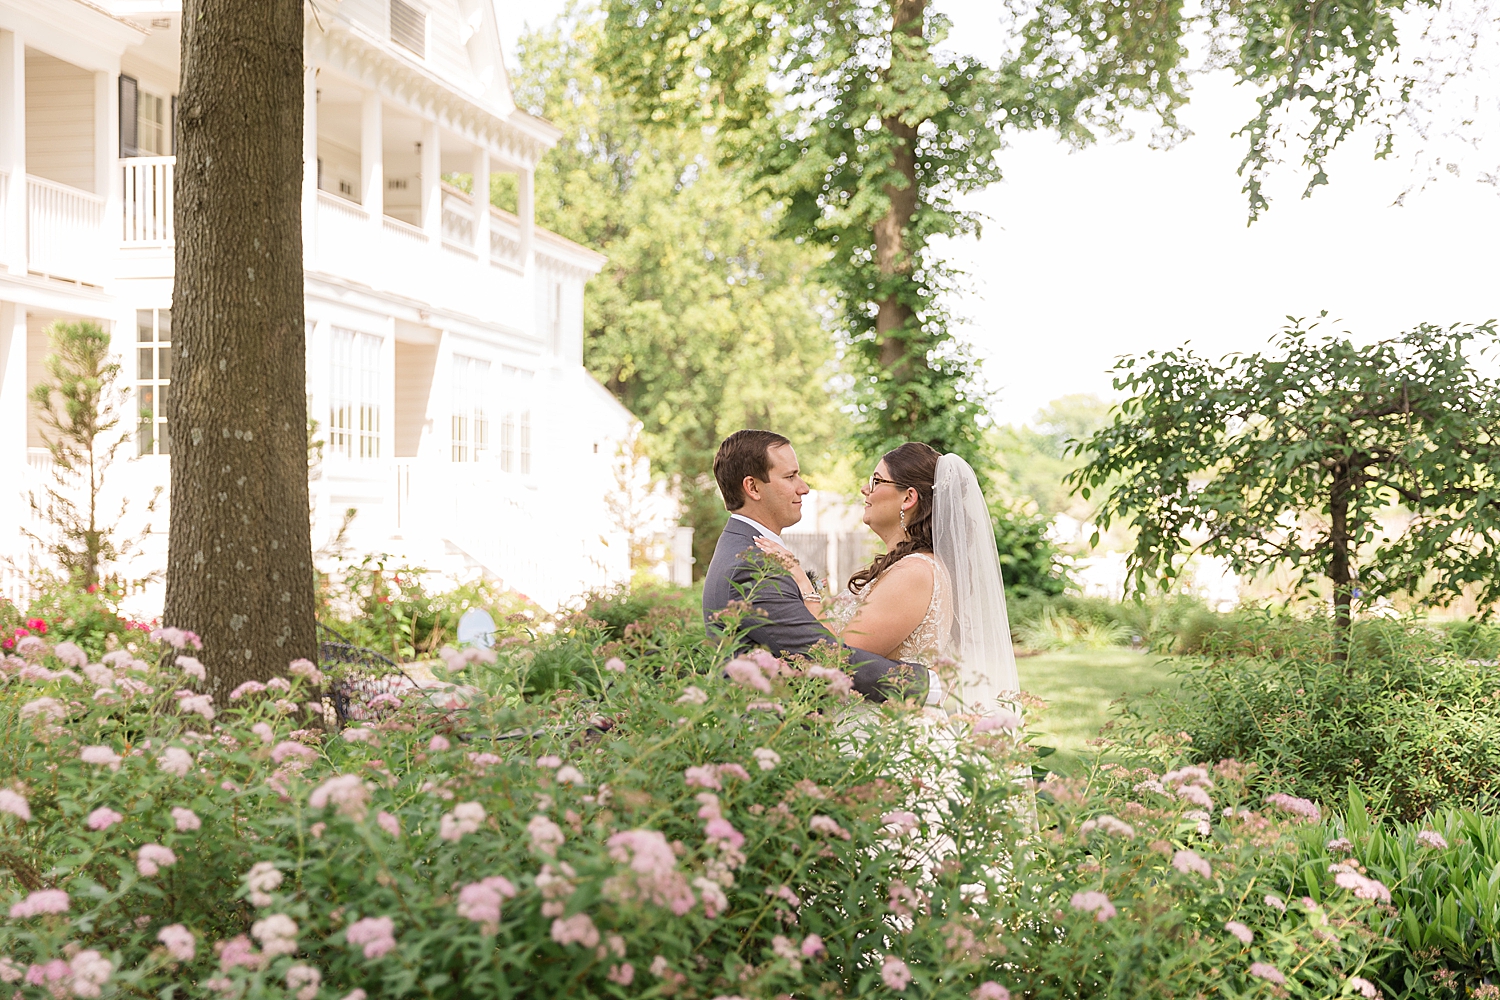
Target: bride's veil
963, 540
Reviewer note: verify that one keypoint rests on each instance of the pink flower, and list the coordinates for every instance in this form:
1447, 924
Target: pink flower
177, 638
202, 704
1196, 795
91, 971
306, 670
277, 934
175, 760
179, 941
191, 666
15, 803
704, 776
185, 819
990, 990
624, 974
1096, 903
692, 695
355, 995
359, 734
153, 857
721, 830
998, 718
827, 825
70, 654
615, 664
40, 902
99, 756
291, 748
714, 900
577, 929
262, 879
900, 821
1304, 808
747, 673
1239, 930
812, 946
390, 824
1271, 974
1428, 838
480, 901
303, 981
45, 709
766, 758
438, 744
1107, 824
1339, 845
238, 951
249, 687
263, 732
103, 818
895, 973
839, 683
1276, 903
1190, 861
376, 934
1364, 987
653, 875
465, 818
570, 775
733, 771
348, 792
550, 760
1364, 888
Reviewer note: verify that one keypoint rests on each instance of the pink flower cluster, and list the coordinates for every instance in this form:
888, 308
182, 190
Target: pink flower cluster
1303, 808
840, 684
1191, 862
1362, 887
177, 638
546, 836
1271, 974
652, 876
827, 825
480, 901
179, 942
895, 973
748, 673
1432, 839
349, 793
1107, 824
175, 760
201, 704
40, 903
14, 803
262, 879
185, 819
990, 990
1240, 931
577, 929
377, 935
103, 756
83, 976
103, 818
151, 858
1096, 903
307, 670
900, 822
277, 934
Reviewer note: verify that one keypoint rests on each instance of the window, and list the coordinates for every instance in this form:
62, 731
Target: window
153, 374
354, 395
409, 28
471, 427
516, 388
153, 127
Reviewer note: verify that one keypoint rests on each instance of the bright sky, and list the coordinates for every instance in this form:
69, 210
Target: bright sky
1121, 249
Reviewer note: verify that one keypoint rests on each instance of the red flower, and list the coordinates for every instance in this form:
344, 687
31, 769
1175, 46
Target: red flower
22, 631
91, 588
39, 625
8, 644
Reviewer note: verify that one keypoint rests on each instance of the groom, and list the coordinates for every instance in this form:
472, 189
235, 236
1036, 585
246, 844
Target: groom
763, 489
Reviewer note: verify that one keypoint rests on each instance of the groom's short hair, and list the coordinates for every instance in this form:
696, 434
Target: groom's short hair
744, 453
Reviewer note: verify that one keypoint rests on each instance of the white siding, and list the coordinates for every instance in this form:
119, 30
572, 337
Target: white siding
37, 347
59, 121
415, 364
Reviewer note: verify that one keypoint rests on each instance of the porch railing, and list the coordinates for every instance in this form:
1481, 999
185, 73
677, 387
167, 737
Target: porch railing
63, 230
146, 198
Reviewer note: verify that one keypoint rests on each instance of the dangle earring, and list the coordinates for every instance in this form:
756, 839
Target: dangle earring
902, 520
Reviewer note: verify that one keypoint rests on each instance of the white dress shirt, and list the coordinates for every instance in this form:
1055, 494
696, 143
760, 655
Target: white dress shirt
760, 527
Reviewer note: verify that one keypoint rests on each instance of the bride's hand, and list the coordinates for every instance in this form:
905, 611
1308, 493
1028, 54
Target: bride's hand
780, 553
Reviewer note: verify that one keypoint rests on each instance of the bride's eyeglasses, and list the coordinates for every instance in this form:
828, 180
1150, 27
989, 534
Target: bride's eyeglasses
876, 480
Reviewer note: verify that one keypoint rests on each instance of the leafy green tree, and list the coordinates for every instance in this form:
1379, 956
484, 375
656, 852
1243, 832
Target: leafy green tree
1374, 467
705, 319
78, 405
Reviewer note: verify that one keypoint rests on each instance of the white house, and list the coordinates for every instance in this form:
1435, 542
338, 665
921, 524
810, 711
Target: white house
445, 337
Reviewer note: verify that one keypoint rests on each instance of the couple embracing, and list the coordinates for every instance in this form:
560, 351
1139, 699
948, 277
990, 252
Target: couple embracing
933, 599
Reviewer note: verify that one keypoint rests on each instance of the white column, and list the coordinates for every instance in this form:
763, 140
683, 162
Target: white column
13, 408
107, 180
432, 183
526, 212
481, 204
13, 150
371, 169
309, 163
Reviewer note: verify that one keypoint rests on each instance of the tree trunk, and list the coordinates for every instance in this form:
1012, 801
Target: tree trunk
239, 566
1338, 563
892, 255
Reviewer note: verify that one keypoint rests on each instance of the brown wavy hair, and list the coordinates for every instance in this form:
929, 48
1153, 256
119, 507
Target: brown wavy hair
912, 465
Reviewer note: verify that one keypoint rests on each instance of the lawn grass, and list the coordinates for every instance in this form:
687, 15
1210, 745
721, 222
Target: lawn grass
1078, 688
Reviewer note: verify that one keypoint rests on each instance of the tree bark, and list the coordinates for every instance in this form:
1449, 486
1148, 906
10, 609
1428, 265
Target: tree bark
1338, 563
239, 565
892, 255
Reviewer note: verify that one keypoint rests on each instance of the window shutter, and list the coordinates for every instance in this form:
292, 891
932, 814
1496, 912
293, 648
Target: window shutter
173, 125
129, 116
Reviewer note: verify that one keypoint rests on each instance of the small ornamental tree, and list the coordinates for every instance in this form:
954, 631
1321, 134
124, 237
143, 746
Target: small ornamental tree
78, 406
1375, 467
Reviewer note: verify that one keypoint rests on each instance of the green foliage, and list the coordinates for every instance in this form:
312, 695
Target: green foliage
1410, 721
704, 320
1030, 563
1033, 460
1052, 630
896, 849
78, 406
1153, 621
395, 609
1300, 459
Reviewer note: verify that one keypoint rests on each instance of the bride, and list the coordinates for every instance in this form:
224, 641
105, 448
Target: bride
936, 594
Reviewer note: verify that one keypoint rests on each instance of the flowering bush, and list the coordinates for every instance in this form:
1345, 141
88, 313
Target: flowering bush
685, 833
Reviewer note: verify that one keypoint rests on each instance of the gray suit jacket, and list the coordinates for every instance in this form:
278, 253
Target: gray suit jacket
782, 623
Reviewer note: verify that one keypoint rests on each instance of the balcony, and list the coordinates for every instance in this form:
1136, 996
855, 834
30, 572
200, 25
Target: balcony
64, 231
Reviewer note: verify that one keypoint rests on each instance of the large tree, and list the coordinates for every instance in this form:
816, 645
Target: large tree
704, 319
239, 568
868, 125
1376, 468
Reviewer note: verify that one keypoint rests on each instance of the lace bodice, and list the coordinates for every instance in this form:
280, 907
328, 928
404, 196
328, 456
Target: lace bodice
930, 635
